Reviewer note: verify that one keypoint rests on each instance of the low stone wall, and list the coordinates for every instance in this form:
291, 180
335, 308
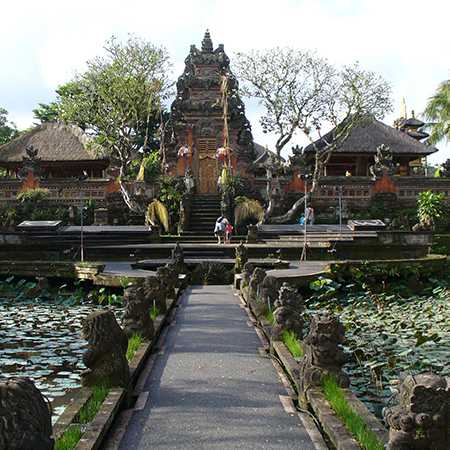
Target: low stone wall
323, 357
106, 363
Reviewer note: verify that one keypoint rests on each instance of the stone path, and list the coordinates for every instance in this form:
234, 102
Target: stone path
210, 388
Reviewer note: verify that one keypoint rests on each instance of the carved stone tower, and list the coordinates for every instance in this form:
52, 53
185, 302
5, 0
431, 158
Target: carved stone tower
197, 118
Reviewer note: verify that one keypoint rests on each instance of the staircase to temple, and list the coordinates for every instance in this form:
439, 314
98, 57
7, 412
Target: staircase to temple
205, 210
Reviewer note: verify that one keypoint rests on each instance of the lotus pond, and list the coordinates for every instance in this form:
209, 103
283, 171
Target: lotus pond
388, 333
40, 338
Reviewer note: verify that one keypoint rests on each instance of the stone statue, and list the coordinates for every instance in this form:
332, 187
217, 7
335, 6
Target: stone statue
384, 162
256, 279
154, 294
31, 163
247, 273
323, 353
252, 233
189, 182
421, 420
25, 416
267, 294
167, 285
288, 310
105, 357
137, 313
241, 257
178, 258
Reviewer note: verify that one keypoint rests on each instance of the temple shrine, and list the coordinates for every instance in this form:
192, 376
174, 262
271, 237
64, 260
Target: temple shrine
208, 121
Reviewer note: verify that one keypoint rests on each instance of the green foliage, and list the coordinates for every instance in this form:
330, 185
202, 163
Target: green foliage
91, 408
157, 213
430, 207
353, 421
34, 195
133, 344
269, 317
437, 112
125, 282
46, 112
170, 193
293, 344
103, 296
152, 166
247, 211
70, 438
154, 312
207, 273
119, 97
8, 130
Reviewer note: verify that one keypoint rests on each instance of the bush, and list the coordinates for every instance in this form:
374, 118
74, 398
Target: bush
430, 207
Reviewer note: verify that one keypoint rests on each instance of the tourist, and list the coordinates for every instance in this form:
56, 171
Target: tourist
309, 218
219, 228
228, 232
301, 220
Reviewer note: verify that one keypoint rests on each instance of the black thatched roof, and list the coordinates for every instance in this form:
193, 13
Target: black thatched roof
366, 136
54, 142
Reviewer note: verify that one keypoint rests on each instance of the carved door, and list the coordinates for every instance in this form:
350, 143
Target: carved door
207, 175
207, 166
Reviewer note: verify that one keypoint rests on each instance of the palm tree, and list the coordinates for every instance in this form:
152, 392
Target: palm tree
437, 112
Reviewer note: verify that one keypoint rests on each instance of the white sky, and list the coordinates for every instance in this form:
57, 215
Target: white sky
43, 43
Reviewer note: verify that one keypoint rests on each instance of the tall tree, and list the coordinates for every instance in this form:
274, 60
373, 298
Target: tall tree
437, 112
118, 99
301, 92
46, 112
8, 130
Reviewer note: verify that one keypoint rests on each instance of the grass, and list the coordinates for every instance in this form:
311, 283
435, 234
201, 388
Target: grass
133, 344
291, 341
90, 409
154, 312
69, 439
269, 317
353, 421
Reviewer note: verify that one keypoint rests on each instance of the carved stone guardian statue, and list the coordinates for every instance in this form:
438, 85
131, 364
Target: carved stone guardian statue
178, 258
247, 272
105, 357
241, 257
323, 353
137, 313
384, 162
256, 279
266, 296
26, 418
288, 312
420, 421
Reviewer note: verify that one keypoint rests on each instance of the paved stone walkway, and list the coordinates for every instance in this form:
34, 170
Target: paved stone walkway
210, 388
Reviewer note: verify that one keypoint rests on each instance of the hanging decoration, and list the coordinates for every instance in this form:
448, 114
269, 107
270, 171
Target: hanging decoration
223, 154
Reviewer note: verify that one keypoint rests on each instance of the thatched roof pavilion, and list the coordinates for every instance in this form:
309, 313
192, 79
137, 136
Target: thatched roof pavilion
356, 153
63, 150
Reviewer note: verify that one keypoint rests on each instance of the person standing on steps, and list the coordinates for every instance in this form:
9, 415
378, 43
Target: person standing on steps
219, 228
228, 233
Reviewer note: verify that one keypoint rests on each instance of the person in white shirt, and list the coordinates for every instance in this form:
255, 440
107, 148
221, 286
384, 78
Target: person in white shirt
219, 228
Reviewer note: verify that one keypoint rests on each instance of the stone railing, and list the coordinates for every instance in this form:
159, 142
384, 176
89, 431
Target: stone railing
361, 190
70, 192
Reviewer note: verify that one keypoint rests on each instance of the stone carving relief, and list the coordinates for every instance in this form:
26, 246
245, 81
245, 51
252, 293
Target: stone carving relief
288, 312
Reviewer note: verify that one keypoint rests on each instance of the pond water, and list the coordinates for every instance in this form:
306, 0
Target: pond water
42, 340
391, 335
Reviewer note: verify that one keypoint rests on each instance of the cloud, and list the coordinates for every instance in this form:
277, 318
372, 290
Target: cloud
44, 43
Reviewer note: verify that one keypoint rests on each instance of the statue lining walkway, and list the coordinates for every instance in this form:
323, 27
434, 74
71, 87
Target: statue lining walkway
209, 387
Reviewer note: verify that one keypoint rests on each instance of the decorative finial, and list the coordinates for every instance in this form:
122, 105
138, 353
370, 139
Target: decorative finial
207, 45
403, 113
412, 114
